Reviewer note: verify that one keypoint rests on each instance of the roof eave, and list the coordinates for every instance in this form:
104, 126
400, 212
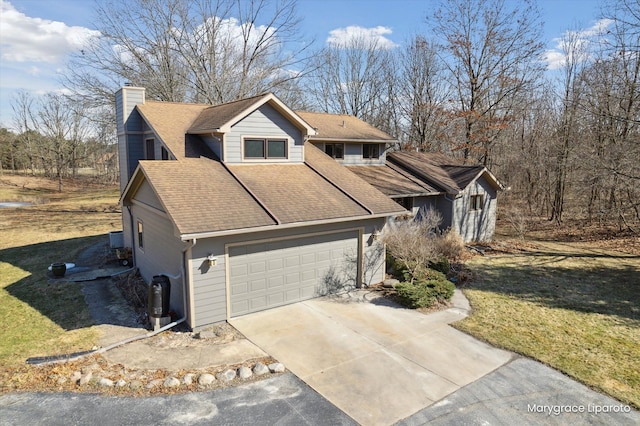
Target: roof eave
351, 140
278, 105
211, 234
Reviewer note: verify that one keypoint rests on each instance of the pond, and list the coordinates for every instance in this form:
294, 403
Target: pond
13, 204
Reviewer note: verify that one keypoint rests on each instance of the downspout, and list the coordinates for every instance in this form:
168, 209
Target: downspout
184, 287
133, 235
73, 357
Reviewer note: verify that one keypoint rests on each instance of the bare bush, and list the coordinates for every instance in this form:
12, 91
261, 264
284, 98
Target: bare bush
414, 243
450, 245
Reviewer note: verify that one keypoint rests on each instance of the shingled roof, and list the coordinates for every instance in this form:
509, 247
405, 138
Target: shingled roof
393, 181
170, 122
342, 127
200, 195
443, 172
219, 118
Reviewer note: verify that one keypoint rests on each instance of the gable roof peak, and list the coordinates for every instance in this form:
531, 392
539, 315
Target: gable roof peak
220, 118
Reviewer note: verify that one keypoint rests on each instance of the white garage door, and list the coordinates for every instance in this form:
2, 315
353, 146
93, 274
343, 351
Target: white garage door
276, 273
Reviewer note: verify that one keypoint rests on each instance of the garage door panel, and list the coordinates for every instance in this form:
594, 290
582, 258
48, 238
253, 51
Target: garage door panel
275, 264
288, 271
275, 299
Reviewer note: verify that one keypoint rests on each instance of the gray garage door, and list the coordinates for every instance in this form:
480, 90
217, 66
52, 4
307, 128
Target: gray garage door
271, 274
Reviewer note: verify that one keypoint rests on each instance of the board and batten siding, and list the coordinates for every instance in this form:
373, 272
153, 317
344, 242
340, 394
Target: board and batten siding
266, 122
210, 282
476, 225
162, 251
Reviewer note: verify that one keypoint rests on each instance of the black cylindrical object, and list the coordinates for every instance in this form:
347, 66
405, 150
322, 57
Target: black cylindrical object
159, 295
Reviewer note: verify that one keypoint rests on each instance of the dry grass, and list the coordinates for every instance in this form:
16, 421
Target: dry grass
40, 318
572, 306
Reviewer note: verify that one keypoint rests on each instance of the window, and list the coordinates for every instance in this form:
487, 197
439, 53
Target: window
407, 203
371, 150
335, 150
164, 153
265, 148
476, 202
140, 236
150, 149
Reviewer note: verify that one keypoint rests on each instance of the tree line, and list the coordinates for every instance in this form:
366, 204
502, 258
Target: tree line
474, 85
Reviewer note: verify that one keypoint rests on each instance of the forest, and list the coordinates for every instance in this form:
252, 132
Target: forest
476, 85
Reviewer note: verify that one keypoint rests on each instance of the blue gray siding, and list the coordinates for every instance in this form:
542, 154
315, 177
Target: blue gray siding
263, 122
162, 251
210, 282
129, 129
476, 225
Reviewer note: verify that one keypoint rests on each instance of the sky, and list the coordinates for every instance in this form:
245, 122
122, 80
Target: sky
37, 36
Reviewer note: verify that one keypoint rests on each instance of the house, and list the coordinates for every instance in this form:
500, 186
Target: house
239, 210
465, 195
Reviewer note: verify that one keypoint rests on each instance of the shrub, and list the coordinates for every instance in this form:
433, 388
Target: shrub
450, 245
430, 287
441, 265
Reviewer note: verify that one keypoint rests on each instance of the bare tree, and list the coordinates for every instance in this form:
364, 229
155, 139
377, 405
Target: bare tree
352, 78
575, 54
420, 94
207, 51
492, 53
612, 105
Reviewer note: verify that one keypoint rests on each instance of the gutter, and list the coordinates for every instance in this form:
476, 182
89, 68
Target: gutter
211, 234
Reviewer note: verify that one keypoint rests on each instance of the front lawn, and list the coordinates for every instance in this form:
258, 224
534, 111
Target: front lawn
573, 307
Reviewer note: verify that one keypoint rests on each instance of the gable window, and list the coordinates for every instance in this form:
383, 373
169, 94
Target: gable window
476, 202
265, 148
335, 150
140, 236
150, 149
371, 150
164, 153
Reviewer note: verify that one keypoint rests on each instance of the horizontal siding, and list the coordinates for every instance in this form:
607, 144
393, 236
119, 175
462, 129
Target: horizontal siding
209, 282
264, 122
353, 156
162, 252
146, 195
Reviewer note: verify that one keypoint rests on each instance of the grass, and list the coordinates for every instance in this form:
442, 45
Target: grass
39, 318
569, 306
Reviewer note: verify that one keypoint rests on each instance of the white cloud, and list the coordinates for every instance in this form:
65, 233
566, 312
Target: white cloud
376, 36
27, 39
556, 57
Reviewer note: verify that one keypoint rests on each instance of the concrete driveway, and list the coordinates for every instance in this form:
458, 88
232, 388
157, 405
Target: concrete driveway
377, 362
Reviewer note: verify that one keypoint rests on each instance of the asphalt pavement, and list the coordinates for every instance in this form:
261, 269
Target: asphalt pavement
281, 400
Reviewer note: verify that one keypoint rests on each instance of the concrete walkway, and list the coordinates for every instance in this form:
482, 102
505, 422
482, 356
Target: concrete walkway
374, 360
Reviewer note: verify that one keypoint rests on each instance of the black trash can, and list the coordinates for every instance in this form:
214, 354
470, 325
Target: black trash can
159, 295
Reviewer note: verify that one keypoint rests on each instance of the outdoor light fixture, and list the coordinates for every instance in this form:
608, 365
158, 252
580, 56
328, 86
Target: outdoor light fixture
212, 260
376, 235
